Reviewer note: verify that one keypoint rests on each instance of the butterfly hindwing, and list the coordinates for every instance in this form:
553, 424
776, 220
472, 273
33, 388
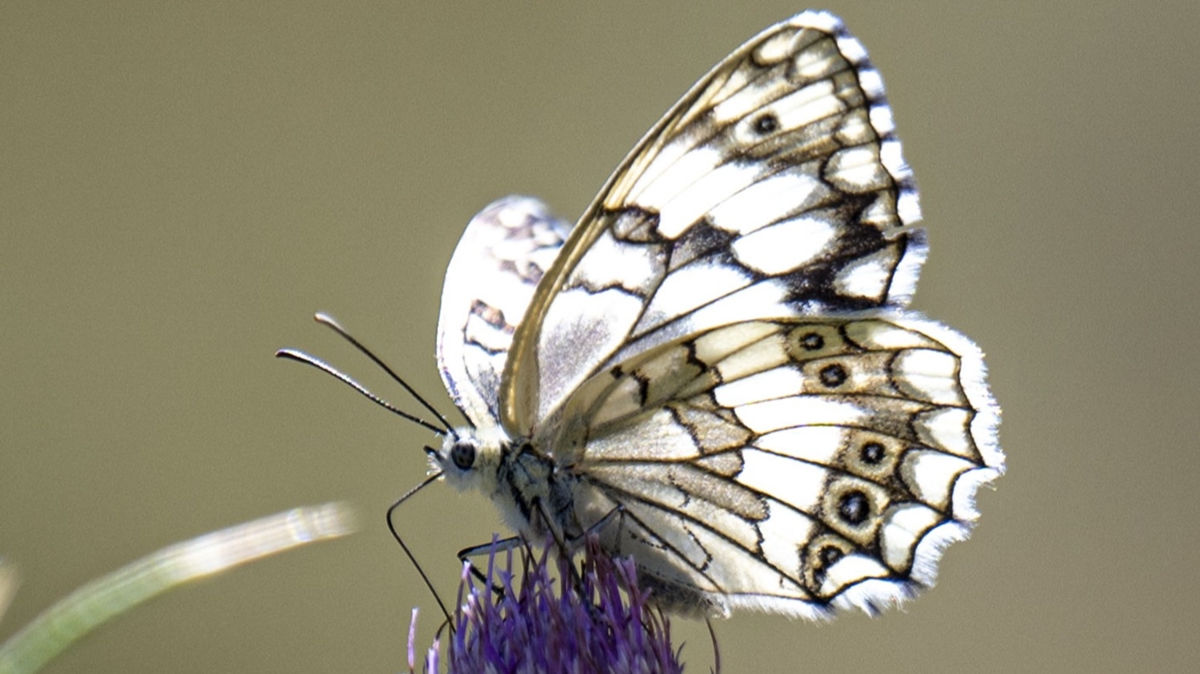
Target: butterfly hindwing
775, 187
789, 465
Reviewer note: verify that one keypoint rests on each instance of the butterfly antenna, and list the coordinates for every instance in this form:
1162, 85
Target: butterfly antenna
329, 321
301, 357
396, 534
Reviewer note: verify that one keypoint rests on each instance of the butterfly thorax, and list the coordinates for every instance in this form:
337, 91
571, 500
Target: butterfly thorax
528, 486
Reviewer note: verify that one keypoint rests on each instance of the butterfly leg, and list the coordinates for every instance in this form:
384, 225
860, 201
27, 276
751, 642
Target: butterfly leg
617, 513
574, 543
566, 548
716, 649
501, 545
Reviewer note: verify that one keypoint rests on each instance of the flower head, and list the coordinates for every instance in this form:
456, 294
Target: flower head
593, 620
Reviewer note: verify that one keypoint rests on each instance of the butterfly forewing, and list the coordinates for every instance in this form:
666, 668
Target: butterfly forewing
775, 187
496, 267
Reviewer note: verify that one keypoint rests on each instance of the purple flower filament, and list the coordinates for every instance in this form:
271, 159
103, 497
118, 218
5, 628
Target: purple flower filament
546, 623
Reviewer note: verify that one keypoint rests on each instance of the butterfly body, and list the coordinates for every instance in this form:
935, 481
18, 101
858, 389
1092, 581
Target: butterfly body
526, 485
715, 370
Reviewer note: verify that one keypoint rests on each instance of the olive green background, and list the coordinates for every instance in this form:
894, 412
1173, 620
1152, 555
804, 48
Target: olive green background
181, 188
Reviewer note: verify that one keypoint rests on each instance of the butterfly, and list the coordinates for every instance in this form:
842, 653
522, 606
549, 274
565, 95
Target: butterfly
715, 371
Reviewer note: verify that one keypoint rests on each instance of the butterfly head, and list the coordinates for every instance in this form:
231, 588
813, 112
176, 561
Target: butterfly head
468, 459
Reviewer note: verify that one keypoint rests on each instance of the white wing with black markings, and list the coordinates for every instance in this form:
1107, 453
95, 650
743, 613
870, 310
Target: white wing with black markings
790, 465
496, 267
775, 187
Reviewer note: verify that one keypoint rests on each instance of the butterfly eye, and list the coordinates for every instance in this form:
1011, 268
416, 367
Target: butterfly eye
463, 455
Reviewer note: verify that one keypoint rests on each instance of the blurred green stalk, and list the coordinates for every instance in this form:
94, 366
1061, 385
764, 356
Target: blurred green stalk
100, 600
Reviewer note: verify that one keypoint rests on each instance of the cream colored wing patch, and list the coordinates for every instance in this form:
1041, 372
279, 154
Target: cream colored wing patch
791, 465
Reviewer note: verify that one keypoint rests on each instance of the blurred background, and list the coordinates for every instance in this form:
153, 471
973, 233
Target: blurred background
181, 187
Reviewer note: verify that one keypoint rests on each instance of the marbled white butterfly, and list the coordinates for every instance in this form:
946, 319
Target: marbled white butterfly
714, 370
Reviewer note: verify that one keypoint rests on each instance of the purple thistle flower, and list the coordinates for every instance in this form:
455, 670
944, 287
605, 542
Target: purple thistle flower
547, 624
